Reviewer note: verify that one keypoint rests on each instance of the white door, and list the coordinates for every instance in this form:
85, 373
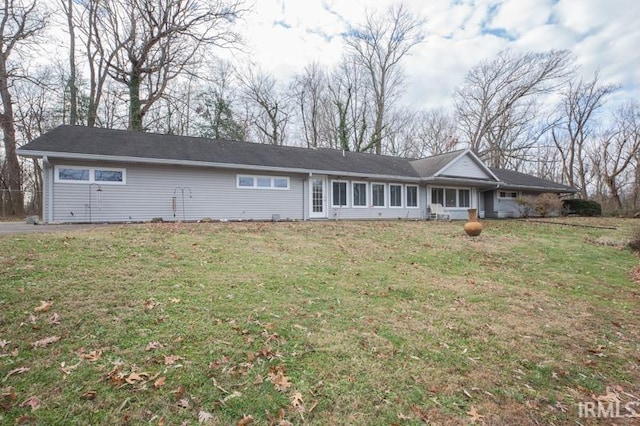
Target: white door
317, 197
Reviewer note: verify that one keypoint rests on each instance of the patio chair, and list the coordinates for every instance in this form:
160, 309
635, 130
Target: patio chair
436, 212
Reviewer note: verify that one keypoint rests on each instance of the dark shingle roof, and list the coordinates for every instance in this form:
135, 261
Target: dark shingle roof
431, 165
522, 180
121, 145
143, 146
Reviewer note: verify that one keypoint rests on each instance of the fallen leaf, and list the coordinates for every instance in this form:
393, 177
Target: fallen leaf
92, 356
68, 369
474, 415
18, 370
33, 402
174, 300
183, 403
54, 319
610, 396
204, 417
297, 402
44, 306
179, 392
171, 359
89, 395
279, 380
150, 304
46, 341
4, 343
160, 382
153, 345
245, 420
133, 378
8, 392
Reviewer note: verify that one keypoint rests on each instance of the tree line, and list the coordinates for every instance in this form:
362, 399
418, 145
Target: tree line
156, 65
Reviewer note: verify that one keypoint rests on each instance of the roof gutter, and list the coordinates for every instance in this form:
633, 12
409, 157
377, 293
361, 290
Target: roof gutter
192, 163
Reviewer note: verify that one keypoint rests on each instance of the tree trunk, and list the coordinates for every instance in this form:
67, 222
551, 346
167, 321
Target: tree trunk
135, 113
13, 200
73, 89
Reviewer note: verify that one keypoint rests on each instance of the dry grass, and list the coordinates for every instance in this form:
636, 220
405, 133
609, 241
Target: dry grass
319, 323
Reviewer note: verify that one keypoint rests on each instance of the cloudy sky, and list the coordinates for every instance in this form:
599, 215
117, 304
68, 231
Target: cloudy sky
286, 35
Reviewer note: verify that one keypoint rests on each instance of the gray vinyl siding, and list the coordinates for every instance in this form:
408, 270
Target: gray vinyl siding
149, 190
466, 167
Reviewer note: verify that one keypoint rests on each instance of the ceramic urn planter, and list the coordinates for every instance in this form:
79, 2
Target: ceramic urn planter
473, 228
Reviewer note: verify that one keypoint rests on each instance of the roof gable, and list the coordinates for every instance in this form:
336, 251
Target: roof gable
457, 164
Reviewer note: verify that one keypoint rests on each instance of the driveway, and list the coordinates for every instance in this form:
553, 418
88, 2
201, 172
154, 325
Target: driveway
12, 228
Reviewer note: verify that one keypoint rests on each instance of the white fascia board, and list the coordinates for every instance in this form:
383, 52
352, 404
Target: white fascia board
538, 188
191, 163
466, 181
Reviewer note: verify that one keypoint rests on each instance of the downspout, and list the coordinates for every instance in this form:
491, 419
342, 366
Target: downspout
304, 184
47, 190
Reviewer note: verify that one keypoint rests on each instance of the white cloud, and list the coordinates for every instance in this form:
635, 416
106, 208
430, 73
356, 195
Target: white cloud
286, 35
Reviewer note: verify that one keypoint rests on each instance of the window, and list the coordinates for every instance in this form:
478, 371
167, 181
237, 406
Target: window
108, 175
507, 194
395, 195
412, 196
437, 196
464, 198
377, 194
281, 183
451, 197
359, 190
262, 182
245, 181
72, 174
339, 192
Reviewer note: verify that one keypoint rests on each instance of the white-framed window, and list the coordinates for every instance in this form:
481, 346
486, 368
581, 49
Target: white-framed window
359, 191
262, 182
377, 194
451, 197
101, 175
395, 195
464, 198
339, 193
412, 196
508, 194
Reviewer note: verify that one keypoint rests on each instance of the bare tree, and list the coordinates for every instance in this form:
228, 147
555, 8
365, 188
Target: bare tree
348, 115
36, 99
309, 89
216, 101
68, 8
497, 104
378, 46
619, 148
269, 107
20, 23
145, 44
574, 127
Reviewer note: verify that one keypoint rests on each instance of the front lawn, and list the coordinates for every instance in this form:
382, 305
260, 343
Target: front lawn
319, 323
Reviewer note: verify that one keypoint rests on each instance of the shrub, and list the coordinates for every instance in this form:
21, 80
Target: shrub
544, 205
525, 204
547, 204
582, 207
